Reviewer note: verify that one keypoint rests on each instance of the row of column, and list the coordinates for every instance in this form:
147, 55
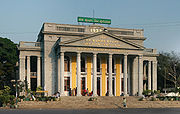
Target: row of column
22, 71
140, 75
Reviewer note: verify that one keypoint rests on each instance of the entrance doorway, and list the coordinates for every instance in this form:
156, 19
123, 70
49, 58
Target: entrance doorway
107, 93
98, 86
113, 86
33, 84
83, 85
67, 86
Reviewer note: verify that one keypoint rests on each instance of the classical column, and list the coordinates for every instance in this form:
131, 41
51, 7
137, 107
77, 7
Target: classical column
22, 68
94, 74
59, 72
110, 75
120, 79
22, 72
28, 72
154, 77
78, 74
140, 75
38, 71
129, 78
135, 76
62, 74
125, 74
149, 75
144, 75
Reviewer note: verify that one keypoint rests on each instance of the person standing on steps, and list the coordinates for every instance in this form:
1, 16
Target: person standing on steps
124, 102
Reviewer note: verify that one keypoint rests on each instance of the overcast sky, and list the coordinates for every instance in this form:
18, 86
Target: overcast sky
21, 20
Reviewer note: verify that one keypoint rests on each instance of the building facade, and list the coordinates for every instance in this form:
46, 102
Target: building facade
104, 60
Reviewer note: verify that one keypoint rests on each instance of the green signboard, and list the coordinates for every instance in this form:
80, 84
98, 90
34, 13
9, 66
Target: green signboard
94, 20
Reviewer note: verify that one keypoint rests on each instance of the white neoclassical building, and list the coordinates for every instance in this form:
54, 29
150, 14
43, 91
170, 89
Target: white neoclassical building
104, 60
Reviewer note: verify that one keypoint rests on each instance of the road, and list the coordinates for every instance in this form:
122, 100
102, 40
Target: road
93, 111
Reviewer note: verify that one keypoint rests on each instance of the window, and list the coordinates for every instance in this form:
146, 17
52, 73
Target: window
122, 68
98, 65
67, 84
113, 70
66, 64
83, 65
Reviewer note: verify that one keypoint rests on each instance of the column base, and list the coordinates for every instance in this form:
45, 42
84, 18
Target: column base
78, 95
62, 94
126, 95
111, 95
95, 95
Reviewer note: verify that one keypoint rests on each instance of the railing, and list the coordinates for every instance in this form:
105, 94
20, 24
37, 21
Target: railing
153, 51
148, 50
30, 44
33, 73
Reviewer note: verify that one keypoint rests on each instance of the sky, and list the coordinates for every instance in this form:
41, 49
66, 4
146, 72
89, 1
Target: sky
21, 20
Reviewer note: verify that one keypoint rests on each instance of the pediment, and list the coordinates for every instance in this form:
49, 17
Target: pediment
102, 39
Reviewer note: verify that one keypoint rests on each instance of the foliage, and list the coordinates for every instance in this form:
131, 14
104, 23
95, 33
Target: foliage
5, 96
92, 99
39, 88
140, 99
8, 59
157, 92
5, 99
147, 92
28, 93
153, 99
22, 97
5, 91
168, 70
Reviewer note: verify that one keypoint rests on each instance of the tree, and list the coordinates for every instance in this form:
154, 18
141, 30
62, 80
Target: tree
168, 70
8, 59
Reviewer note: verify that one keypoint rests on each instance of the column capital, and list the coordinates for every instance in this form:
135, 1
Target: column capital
94, 54
140, 56
125, 54
78, 52
22, 57
38, 57
110, 55
61, 53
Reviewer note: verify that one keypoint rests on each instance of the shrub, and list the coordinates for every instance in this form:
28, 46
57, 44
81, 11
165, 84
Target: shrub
39, 88
157, 92
92, 99
140, 99
12, 102
146, 92
153, 99
54, 99
22, 97
5, 99
161, 98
